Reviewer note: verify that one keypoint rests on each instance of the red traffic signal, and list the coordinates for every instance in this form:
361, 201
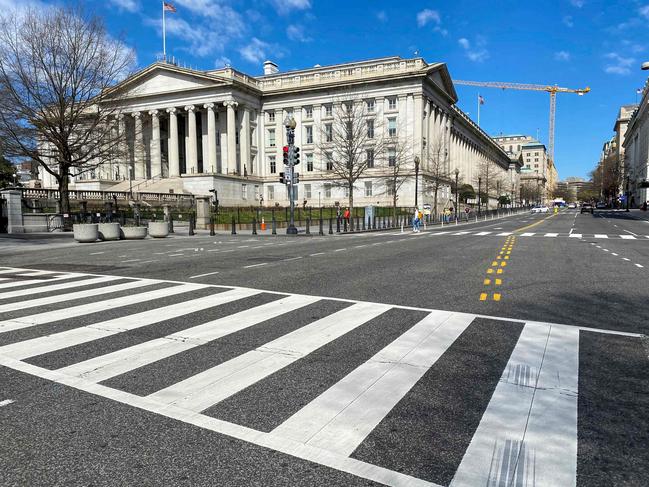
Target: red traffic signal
285, 157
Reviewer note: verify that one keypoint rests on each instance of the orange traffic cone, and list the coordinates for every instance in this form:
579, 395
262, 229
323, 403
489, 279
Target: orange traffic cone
263, 223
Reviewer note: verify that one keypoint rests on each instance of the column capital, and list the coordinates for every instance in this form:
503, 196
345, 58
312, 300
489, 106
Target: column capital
121, 117
154, 113
209, 106
172, 110
136, 114
231, 103
190, 108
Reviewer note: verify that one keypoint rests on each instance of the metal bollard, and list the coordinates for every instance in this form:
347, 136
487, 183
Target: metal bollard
356, 226
234, 227
212, 232
254, 226
191, 225
274, 225
320, 229
331, 226
308, 226
374, 224
337, 225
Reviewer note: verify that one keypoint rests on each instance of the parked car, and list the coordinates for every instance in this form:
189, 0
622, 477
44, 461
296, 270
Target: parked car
586, 208
572, 206
601, 206
540, 209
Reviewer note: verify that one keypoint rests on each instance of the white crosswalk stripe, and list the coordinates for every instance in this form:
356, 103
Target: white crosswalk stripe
532, 409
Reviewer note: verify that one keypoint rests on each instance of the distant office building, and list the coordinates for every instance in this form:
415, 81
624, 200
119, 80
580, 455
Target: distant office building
636, 150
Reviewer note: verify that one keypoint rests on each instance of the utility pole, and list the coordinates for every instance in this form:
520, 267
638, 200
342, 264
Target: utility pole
416, 179
479, 195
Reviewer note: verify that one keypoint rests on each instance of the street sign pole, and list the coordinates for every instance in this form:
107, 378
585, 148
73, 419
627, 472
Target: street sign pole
290, 136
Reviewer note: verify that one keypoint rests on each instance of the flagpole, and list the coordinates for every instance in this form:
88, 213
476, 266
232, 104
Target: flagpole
164, 33
478, 109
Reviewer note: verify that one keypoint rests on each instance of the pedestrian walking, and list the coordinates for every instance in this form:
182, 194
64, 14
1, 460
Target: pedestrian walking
346, 215
415, 221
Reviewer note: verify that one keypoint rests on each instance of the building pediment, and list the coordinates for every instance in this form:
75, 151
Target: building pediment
439, 75
162, 78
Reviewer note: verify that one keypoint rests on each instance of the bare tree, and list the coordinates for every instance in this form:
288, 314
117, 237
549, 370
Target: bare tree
489, 182
56, 70
400, 168
438, 168
345, 140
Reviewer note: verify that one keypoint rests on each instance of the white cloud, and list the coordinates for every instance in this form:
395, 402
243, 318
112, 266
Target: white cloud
286, 6
128, 5
256, 51
222, 61
427, 16
644, 11
382, 16
618, 64
567, 20
476, 52
296, 33
562, 56
577, 3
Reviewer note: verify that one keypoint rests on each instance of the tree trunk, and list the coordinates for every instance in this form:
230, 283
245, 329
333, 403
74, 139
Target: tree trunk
351, 206
64, 196
435, 200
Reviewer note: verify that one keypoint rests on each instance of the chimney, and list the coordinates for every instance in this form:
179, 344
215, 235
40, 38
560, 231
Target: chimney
270, 67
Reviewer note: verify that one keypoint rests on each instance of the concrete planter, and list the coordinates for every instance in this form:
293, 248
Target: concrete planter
158, 229
133, 233
109, 231
85, 232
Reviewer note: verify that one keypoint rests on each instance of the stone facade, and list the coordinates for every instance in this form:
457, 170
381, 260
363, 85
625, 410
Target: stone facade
636, 150
195, 131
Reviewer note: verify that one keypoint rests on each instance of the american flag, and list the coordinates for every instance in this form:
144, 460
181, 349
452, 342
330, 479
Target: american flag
480, 100
168, 7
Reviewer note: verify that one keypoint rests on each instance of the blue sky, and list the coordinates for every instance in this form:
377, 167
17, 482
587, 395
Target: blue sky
573, 43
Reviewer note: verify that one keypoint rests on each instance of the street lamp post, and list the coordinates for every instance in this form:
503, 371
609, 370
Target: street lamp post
290, 125
479, 195
416, 179
628, 194
457, 192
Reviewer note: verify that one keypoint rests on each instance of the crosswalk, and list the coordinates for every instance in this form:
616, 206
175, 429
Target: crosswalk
493, 233
59, 326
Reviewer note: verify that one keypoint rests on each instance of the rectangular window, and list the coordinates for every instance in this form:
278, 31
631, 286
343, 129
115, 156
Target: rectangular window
307, 191
348, 106
309, 162
392, 127
327, 188
271, 137
390, 188
349, 130
257, 193
330, 161
392, 103
368, 188
528, 160
392, 157
308, 113
236, 136
271, 193
370, 129
510, 149
218, 138
536, 165
309, 134
370, 158
346, 191
329, 111
370, 106
271, 117
329, 132
536, 159
244, 192
272, 162
536, 153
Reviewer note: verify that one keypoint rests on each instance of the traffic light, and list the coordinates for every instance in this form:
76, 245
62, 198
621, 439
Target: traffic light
282, 179
296, 177
285, 151
296, 156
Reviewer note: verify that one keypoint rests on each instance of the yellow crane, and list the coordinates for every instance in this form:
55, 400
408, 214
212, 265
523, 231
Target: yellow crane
553, 90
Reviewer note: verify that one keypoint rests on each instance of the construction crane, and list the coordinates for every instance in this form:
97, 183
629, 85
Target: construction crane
553, 90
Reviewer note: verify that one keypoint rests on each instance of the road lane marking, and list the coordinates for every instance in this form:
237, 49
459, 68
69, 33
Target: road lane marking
624, 258
600, 235
96, 253
575, 235
175, 255
613, 253
6, 402
639, 265
551, 235
255, 265
627, 237
203, 275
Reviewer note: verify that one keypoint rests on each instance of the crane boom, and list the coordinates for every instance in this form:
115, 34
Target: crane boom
552, 89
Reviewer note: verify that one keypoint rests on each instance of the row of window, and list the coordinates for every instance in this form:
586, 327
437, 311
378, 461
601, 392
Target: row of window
271, 138
370, 106
368, 190
329, 160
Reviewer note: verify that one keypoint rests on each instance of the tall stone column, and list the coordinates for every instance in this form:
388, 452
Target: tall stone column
156, 155
192, 153
174, 160
138, 148
223, 136
211, 139
418, 129
244, 142
232, 140
123, 148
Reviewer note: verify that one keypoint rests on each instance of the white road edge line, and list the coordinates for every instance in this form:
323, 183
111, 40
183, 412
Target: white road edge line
203, 275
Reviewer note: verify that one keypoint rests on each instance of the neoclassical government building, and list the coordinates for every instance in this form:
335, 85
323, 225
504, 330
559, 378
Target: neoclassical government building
193, 131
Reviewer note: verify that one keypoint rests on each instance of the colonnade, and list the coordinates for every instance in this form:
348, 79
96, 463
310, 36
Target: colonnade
142, 140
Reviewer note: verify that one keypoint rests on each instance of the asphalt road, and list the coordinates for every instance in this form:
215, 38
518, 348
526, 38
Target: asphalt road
507, 351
